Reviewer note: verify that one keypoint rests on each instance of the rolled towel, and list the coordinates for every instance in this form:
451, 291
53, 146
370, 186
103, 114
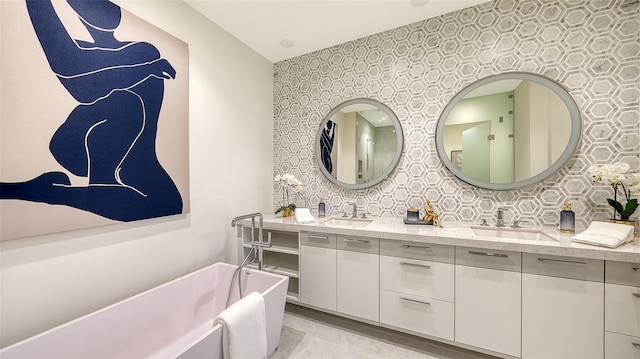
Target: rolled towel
244, 333
605, 234
303, 215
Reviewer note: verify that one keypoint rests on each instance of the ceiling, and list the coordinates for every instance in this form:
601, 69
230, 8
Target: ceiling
370, 113
282, 29
495, 87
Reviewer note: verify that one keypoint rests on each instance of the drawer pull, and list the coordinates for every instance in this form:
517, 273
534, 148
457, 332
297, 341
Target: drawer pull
489, 254
637, 269
560, 261
414, 265
637, 295
414, 301
319, 238
357, 240
409, 246
637, 345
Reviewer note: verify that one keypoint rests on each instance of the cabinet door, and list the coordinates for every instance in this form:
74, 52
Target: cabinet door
488, 309
622, 299
358, 272
622, 306
561, 318
358, 285
562, 307
318, 277
618, 346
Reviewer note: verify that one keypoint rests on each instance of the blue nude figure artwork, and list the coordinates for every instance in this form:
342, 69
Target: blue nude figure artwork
109, 138
327, 147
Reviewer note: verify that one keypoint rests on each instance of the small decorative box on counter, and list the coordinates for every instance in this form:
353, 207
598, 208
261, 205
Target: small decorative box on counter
413, 217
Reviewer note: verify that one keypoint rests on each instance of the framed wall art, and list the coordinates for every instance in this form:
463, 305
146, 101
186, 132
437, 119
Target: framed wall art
94, 126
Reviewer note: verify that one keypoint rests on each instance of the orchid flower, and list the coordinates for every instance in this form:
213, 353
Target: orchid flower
289, 184
614, 175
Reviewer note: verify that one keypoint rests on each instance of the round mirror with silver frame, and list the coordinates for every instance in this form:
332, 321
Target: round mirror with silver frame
359, 143
508, 131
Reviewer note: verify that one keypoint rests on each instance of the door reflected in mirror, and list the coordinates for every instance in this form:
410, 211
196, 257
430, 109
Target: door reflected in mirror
508, 131
358, 143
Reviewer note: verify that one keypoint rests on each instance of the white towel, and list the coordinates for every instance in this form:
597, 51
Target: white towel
303, 215
244, 335
605, 234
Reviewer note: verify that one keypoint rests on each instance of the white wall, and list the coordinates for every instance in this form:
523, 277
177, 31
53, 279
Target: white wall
364, 131
347, 165
559, 124
541, 131
48, 280
522, 131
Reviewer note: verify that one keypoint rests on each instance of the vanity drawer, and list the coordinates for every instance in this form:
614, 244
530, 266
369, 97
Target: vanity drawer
563, 267
624, 273
322, 240
622, 309
417, 277
618, 346
359, 244
417, 250
489, 258
418, 314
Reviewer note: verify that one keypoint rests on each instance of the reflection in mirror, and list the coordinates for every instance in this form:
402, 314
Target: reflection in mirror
508, 131
359, 143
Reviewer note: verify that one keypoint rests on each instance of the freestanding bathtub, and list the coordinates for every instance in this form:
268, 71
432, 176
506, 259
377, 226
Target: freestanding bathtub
173, 320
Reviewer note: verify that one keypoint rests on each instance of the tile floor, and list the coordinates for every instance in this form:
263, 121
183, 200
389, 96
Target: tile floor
309, 334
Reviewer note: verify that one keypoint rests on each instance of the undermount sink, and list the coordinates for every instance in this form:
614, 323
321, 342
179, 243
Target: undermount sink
344, 221
512, 233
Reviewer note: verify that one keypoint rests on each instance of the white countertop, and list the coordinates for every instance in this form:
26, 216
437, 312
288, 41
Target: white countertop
460, 234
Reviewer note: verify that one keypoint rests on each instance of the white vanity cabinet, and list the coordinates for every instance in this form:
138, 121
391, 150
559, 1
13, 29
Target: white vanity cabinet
622, 310
318, 270
357, 277
508, 299
562, 307
488, 286
417, 288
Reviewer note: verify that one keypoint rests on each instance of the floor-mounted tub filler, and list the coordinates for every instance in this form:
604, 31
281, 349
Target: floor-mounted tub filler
174, 320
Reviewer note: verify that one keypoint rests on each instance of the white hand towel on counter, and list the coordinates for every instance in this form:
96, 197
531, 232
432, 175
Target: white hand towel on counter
244, 333
303, 215
605, 234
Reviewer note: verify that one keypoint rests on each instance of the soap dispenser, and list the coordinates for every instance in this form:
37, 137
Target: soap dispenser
567, 220
321, 208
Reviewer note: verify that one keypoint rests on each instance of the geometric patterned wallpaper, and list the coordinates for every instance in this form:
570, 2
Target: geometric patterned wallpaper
590, 47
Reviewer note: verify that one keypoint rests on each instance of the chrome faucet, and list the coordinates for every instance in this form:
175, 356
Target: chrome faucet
259, 244
500, 217
354, 214
516, 223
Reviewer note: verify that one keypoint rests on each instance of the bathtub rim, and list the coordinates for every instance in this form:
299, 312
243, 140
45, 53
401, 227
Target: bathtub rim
278, 282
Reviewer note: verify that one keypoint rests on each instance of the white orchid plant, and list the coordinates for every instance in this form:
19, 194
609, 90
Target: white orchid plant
614, 175
290, 185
